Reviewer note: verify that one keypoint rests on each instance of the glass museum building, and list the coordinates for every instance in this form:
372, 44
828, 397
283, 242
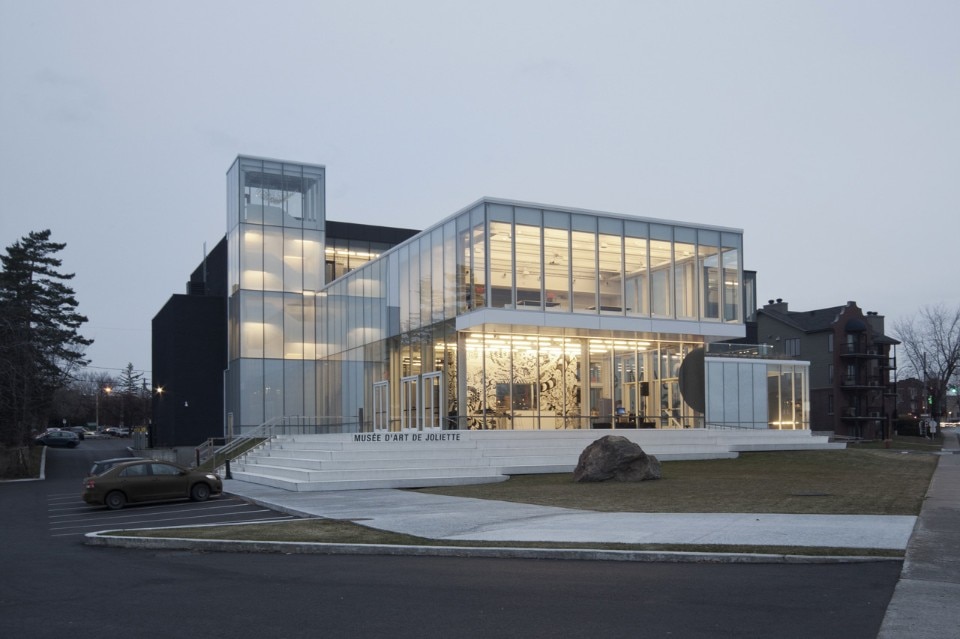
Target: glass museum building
505, 315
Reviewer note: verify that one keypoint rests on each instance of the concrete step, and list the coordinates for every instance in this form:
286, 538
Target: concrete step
368, 483
760, 447
366, 454
341, 461
304, 474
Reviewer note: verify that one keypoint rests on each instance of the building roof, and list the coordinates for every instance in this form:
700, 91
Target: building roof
820, 320
815, 321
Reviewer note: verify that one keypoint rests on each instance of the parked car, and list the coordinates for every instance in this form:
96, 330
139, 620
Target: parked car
56, 437
81, 432
149, 480
115, 431
102, 466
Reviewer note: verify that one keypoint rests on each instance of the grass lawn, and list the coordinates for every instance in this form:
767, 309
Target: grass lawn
21, 462
854, 481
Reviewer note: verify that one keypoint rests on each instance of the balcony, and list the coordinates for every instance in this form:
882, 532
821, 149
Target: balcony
861, 350
854, 414
861, 382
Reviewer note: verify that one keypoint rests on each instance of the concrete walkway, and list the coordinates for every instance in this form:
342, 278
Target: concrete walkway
455, 518
926, 602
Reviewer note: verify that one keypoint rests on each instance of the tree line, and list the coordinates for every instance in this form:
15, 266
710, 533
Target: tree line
43, 381
930, 342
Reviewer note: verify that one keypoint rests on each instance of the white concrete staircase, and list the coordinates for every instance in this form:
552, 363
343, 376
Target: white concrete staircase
360, 461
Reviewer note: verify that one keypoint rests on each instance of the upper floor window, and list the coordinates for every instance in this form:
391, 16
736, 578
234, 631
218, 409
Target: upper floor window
791, 346
830, 343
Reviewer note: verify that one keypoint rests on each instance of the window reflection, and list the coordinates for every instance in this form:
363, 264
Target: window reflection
685, 278
661, 291
529, 279
636, 274
556, 269
501, 264
731, 285
584, 271
610, 258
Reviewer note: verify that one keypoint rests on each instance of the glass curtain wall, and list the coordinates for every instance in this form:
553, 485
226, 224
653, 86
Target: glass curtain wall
516, 257
521, 259
275, 220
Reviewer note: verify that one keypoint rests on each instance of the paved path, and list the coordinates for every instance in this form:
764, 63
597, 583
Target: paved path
442, 517
926, 602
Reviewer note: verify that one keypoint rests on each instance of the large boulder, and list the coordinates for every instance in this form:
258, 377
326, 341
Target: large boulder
618, 458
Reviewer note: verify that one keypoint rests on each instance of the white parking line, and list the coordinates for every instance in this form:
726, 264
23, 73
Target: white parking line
144, 523
88, 510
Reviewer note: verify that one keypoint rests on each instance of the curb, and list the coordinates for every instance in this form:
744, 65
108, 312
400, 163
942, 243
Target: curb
106, 539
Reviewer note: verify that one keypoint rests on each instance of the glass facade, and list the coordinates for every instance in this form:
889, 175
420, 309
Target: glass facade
528, 319
275, 231
744, 392
504, 315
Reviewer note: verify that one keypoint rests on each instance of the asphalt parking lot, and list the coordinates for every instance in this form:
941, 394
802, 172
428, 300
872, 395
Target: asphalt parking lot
69, 516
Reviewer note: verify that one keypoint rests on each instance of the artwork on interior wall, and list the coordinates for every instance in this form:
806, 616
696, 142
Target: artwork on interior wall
560, 386
555, 380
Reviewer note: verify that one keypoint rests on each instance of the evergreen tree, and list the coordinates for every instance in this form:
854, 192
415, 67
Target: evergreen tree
130, 383
40, 345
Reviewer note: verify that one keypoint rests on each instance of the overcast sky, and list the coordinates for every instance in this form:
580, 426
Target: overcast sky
828, 131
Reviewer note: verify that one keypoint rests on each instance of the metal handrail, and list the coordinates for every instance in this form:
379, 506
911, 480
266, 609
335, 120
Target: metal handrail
267, 432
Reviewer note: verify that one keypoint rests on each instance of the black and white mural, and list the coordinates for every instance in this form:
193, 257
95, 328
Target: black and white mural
506, 384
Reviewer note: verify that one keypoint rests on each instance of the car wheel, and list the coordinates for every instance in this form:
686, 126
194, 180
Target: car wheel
200, 492
115, 500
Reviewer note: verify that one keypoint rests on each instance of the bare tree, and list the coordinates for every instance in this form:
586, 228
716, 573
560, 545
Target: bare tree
931, 344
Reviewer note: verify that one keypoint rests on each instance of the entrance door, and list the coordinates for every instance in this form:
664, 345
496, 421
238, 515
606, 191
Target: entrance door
409, 403
671, 404
432, 402
381, 407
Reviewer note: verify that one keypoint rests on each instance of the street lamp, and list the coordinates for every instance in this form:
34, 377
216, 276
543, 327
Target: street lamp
107, 390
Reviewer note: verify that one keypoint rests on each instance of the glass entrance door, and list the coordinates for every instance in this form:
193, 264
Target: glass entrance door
381, 407
432, 417
409, 403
